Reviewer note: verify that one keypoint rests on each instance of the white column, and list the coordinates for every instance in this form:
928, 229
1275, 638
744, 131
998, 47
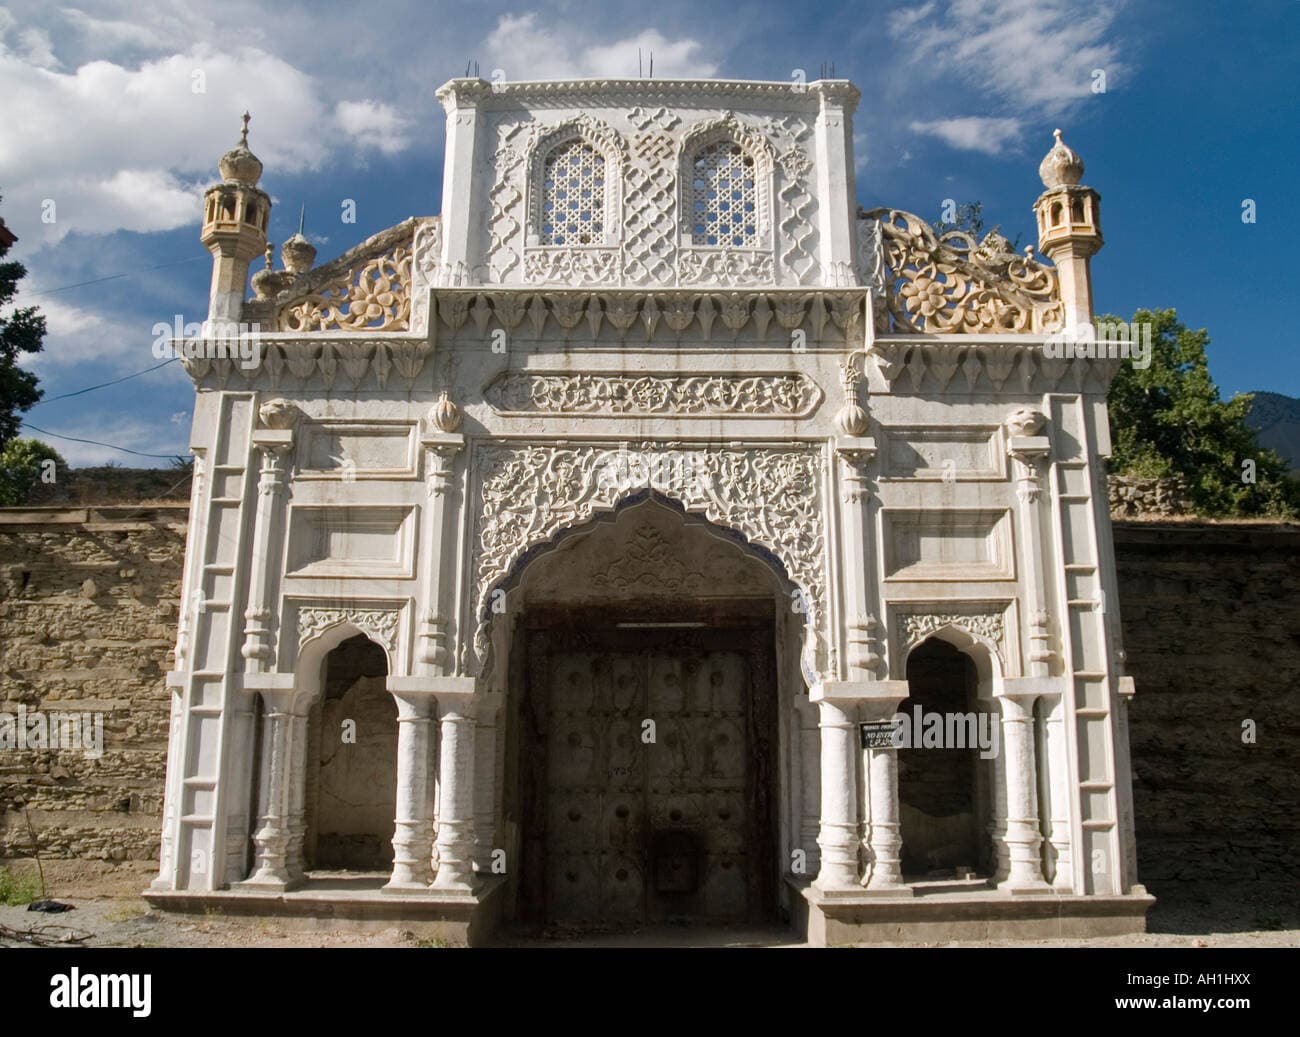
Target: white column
837, 837
884, 839
1059, 782
274, 445
413, 825
485, 773
1023, 838
432, 655
455, 844
276, 866
1029, 452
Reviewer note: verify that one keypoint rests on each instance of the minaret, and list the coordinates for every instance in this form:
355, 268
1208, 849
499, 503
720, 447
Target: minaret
235, 217
1069, 228
298, 253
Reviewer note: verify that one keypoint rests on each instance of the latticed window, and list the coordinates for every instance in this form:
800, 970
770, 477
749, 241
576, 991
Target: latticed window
725, 206
573, 195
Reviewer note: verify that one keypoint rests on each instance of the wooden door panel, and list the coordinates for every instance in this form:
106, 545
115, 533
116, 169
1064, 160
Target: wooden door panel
634, 831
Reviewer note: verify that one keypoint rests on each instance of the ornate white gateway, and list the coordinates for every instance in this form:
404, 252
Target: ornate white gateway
553, 552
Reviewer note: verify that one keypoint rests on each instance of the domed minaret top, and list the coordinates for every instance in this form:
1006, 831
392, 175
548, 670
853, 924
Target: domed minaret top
239, 165
298, 253
1061, 165
1069, 229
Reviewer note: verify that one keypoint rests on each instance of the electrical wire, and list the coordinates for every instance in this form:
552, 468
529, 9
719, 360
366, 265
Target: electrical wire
95, 442
104, 385
112, 277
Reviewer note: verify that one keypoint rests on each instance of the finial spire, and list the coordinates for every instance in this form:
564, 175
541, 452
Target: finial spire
243, 134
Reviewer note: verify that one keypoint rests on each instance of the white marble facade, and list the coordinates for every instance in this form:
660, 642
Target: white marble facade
645, 292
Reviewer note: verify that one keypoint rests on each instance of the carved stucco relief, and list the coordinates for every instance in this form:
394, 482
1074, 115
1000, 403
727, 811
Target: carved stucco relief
772, 395
529, 493
514, 144
798, 237
379, 624
988, 625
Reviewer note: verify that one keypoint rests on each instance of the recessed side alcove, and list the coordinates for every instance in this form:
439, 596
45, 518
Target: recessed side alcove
351, 763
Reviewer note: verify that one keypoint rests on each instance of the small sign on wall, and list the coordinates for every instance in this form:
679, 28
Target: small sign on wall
878, 735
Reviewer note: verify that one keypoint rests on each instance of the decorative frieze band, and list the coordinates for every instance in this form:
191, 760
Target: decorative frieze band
637, 395
838, 314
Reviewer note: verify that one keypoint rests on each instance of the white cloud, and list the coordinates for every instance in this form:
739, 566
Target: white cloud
80, 337
373, 124
989, 135
131, 146
523, 49
1031, 59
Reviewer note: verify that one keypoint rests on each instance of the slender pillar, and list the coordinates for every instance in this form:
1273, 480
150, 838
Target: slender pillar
884, 840
837, 837
884, 832
455, 843
1029, 452
1059, 782
274, 442
485, 773
413, 826
1023, 838
276, 866
441, 447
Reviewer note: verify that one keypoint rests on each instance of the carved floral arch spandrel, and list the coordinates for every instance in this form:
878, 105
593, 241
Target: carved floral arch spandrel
322, 628
769, 497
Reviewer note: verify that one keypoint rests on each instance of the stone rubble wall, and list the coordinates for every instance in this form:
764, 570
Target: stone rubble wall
1134, 497
1211, 621
88, 609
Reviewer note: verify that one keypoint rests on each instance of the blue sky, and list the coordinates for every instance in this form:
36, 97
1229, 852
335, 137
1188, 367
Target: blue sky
960, 97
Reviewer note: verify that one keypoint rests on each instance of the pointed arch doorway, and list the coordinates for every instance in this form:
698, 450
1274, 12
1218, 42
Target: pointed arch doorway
645, 725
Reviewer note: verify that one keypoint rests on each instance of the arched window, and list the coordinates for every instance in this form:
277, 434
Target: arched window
724, 197
573, 195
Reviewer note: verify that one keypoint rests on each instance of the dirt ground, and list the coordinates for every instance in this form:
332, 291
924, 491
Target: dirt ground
109, 912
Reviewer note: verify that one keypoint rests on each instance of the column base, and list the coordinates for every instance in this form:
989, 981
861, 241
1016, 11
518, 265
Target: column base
1021, 888
901, 890
405, 889
267, 884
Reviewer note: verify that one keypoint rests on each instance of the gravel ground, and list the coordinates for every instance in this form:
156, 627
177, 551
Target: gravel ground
126, 921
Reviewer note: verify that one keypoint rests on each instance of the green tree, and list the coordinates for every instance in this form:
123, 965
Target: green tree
1167, 419
21, 331
24, 464
970, 218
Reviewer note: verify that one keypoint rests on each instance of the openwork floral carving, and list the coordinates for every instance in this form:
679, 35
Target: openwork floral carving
378, 624
989, 626
374, 296
955, 284
530, 493
771, 395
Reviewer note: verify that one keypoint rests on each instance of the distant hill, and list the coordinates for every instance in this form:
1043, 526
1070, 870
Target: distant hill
1277, 420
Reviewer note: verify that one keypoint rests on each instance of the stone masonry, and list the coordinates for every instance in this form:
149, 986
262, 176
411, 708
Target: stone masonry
1209, 637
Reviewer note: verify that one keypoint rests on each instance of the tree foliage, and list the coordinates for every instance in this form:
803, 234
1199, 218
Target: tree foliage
1167, 419
23, 465
22, 330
